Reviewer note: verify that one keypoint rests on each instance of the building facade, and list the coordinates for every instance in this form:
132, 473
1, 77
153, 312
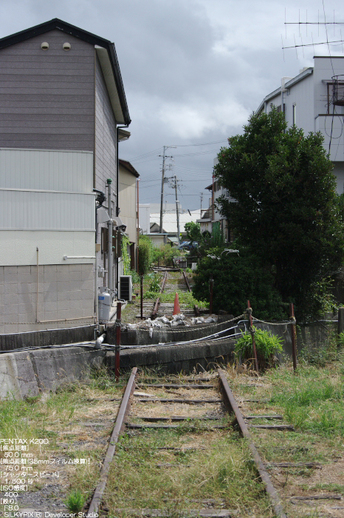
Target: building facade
62, 103
314, 101
129, 202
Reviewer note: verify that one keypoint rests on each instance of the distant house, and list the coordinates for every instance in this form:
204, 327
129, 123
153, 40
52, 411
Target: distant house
211, 216
314, 101
63, 108
128, 199
170, 227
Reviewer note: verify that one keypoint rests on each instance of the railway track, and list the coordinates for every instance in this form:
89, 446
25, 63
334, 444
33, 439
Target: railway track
172, 282
175, 423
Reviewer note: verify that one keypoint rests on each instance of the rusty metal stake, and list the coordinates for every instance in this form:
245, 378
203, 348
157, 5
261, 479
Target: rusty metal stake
211, 289
340, 320
249, 313
293, 334
118, 340
141, 295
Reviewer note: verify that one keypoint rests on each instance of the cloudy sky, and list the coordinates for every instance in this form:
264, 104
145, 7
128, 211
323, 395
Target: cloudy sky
193, 71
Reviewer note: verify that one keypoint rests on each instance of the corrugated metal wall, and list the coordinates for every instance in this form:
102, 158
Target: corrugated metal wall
46, 170
30, 210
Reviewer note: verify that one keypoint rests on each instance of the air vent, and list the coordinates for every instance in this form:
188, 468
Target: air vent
126, 287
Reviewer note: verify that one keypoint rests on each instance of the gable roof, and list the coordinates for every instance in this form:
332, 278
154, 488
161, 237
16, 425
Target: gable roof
106, 53
127, 165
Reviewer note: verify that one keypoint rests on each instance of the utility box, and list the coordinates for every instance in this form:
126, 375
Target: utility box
126, 287
104, 306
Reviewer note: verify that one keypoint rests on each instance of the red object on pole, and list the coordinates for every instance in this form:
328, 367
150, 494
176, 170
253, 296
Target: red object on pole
249, 311
176, 308
293, 334
118, 340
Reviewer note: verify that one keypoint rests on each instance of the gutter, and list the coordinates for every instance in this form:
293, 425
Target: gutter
289, 84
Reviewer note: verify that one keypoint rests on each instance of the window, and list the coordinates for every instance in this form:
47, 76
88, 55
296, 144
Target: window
294, 114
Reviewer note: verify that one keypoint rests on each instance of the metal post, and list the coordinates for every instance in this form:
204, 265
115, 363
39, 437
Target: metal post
293, 334
249, 312
141, 295
211, 289
110, 232
340, 320
118, 340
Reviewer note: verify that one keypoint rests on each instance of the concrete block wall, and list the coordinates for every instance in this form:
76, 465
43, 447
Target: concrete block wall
30, 303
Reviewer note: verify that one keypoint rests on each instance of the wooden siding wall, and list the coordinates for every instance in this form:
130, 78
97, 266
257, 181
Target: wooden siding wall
47, 96
105, 136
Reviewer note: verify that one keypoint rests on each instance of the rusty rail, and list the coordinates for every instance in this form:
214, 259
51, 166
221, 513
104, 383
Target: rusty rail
264, 475
119, 426
157, 302
186, 281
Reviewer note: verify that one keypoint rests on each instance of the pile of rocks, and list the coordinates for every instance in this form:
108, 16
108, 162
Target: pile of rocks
173, 321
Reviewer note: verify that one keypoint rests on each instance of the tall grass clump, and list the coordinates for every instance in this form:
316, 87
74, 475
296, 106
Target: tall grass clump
311, 399
267, 346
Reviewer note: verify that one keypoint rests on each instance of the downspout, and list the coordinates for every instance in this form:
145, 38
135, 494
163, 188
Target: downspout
137, 225
37, 292
110, 232
96, 316
117, 192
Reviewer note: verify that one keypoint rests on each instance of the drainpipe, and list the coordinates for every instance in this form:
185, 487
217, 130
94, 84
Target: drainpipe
110, 232
37, 288
118, 128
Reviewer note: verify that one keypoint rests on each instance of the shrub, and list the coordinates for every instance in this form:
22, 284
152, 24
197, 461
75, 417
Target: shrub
267, 346
237, 279
145, 254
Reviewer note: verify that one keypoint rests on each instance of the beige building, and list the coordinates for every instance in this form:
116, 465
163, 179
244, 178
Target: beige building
128, 201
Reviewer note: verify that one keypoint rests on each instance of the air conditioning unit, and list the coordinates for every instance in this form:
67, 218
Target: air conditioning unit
126, 287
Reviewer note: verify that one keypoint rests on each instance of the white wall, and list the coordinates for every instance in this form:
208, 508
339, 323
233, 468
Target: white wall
20, 248
46, 202
46, 170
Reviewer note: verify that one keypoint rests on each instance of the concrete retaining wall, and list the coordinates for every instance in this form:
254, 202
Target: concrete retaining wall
24, 374
28, 373
157, 335
8, 342
176, 358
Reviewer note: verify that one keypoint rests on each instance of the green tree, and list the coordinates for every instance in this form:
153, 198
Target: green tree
193, 231
237, 279
286, 206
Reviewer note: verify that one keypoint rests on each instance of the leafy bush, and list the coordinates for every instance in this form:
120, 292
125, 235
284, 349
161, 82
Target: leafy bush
237, 279
145, 254
165, 255
125, 255
267, 346
154, 283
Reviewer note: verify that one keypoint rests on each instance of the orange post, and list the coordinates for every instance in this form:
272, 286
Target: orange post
176, 308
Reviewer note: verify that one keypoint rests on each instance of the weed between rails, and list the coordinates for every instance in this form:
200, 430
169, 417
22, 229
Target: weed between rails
161, 469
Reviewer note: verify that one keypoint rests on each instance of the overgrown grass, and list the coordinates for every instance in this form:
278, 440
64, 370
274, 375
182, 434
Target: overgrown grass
58, 419
185, 297
311, 399
156, 475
